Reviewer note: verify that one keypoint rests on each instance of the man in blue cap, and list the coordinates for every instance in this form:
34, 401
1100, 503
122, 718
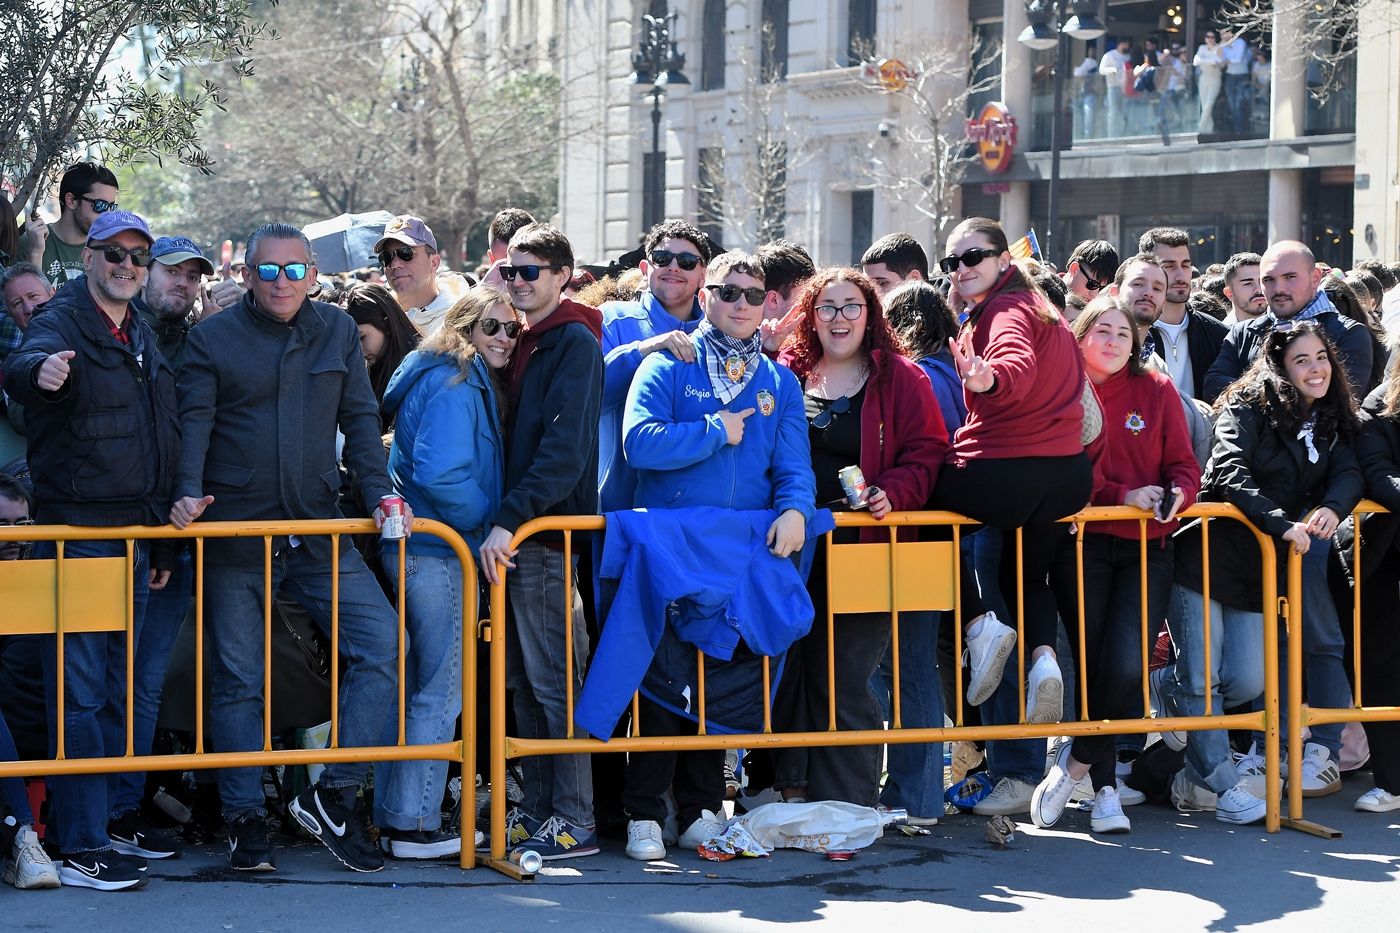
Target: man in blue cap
171, 296
103, 440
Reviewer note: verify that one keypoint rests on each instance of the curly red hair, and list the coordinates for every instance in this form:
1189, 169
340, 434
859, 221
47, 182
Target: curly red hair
803, 348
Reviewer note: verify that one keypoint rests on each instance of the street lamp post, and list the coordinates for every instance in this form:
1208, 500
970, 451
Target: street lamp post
1082, 23
657, 62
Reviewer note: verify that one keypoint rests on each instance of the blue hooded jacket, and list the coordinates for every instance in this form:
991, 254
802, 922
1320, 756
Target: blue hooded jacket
625, 325
447, 459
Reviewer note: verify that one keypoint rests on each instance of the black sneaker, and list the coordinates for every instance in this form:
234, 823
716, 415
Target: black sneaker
104, 871
421, 844
337, 818
249, 849
131, 836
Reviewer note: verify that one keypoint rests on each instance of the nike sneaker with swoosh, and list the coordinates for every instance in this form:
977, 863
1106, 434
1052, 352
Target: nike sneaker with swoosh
130, 836
337, 818
102, 871
249, 849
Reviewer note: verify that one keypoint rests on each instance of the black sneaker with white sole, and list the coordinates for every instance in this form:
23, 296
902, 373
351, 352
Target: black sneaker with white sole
336, 817
102, 871
131, 836
249, 848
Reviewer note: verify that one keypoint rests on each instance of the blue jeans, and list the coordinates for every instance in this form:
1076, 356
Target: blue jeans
1324, 671
408, 794
368, 643
165, 613
555, 785
12, 793
94, 697
915, 781
1236, 665
1020, 759
1238, 92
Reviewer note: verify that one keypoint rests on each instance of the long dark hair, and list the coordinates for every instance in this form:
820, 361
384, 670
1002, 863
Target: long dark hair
921, 318
1014, 279
804, 345
1265, 385
376, 306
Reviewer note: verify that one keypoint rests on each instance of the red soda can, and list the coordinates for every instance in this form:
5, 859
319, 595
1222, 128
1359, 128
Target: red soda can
393, 527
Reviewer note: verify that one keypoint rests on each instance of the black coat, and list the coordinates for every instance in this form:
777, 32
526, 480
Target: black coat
1378, 452
1352, 339
260, 402
1265, 473
103, 448
1204, 336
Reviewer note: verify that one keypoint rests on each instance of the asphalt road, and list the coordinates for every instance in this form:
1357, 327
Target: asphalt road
1177, 872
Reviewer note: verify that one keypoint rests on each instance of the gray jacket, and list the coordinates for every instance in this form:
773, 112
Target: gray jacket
260, 404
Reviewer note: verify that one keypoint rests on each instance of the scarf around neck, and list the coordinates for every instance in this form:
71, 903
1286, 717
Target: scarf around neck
730, 362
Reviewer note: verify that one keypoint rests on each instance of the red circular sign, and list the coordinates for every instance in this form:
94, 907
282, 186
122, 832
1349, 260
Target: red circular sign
994, 132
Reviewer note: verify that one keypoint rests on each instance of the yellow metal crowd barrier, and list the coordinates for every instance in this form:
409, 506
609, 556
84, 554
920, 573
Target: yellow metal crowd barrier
893, 577
82, 595
1300, 713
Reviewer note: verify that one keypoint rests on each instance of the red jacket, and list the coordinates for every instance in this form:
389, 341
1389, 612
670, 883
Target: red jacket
1034, 408
1145, 443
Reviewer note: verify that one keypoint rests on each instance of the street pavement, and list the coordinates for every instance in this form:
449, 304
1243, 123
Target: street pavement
1174, 871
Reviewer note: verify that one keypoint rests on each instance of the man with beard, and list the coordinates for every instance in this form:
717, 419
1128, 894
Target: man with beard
171, 294
1140, 288
103, 440
1187, 341
1243, 289
86, 192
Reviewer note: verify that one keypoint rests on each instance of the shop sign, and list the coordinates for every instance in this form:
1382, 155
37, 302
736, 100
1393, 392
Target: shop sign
994, 132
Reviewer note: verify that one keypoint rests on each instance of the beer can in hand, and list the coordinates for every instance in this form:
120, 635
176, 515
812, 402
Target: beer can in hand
393, 528
853, 485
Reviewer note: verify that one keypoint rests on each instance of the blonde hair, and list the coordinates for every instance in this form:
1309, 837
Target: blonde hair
453, 338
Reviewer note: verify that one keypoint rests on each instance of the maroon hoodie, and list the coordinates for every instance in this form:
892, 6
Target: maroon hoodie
568, 312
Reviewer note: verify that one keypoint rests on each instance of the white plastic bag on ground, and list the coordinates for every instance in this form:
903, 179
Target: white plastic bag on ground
823, 826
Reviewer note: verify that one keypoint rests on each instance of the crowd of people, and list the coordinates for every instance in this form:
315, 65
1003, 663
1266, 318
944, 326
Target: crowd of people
714, 406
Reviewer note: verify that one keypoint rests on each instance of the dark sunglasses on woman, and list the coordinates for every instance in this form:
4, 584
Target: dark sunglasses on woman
489, 326
529, 273
970, 258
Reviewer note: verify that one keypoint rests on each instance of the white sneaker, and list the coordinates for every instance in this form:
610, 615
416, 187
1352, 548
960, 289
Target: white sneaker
987, 651
644, 840
1156, 683
1084, 787
1107, 815
1049, 799
29, 867
1045, 691
1130, 796
1240, 807
1251, 769
1321, 776
1010, 797
1187, 796
1376, 800
707, 827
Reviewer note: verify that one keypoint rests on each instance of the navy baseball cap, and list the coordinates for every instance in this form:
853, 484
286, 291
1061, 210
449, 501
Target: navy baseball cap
111, 223
173, 250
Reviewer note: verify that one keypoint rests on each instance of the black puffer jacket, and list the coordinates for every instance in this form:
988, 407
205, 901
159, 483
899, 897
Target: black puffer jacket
103, 448
1263, 471
1378, 451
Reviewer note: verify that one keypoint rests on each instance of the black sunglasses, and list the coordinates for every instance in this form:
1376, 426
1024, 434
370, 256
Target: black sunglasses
662, 258
403, 253
529, 273
730, 293
99, 205
970, 258
140, 256
827, 415
1093, 284
489, 326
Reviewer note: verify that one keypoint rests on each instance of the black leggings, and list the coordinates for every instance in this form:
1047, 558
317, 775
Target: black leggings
1030, 493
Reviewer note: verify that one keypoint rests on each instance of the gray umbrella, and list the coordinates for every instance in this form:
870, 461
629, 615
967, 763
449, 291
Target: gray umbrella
346, 242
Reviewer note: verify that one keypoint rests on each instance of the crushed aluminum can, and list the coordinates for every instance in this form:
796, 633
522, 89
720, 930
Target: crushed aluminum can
840, 855
1000, 831
909, 829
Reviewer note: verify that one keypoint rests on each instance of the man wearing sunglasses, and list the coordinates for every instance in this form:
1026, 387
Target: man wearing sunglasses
86, 192
1091, 267
555, 386
408, 254
103, 442
663, 317
1187, 341
266, 387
